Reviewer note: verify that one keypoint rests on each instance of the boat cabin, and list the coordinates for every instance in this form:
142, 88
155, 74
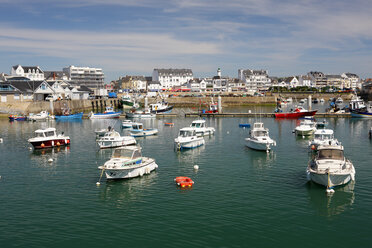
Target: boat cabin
187, 132
137, 126
330, 153
324, 134
110, 135
258, 125
49, 132
198, 124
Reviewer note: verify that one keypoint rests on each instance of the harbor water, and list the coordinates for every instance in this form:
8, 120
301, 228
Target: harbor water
241, 197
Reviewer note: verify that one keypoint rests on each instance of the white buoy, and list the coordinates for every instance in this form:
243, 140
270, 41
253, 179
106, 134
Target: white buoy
330, 191
1, 140
98, 183
196, 167
228, 132
30, 148
50, 160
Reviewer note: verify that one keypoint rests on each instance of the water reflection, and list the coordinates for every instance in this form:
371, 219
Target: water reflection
260, 159
189, 155
42, 156
123, 191
330, 205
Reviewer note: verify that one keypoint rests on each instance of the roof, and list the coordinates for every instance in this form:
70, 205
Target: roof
85, 88
29, 86
26, 68
45, 130
174, 71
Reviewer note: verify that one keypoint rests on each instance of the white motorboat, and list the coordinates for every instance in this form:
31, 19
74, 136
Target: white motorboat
47, 138
127, 124
187, 139
330, 168
323, 137
259, 138
127, 162
307, 127
43, 115
108, 114
140, 114
113, 139
138, 130
201, 129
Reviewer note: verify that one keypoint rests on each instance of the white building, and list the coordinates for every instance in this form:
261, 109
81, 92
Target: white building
255, 79
170, 78
90, 77
305, 80
31, 72
352, 81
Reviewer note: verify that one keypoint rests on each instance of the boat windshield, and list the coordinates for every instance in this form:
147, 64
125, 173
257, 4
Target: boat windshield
331, 154
185, 133
50, 133
196, 124
123, 153
39, 135
259, 133
323, 136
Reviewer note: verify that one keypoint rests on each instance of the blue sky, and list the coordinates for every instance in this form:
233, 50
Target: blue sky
132, 37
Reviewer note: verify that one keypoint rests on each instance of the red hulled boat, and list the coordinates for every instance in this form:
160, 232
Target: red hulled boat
47, 138
297, 113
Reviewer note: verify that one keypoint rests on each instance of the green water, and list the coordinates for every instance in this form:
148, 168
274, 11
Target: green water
241, 197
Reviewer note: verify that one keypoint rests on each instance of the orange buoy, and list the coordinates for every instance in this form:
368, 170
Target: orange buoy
58, 144
42, 145
68, 141
184, 181
313, 147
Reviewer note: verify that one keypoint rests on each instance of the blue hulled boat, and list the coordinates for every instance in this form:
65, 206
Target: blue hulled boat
77, 116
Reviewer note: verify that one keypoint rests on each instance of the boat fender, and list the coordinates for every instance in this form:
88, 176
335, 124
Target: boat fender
313, 147
42, 145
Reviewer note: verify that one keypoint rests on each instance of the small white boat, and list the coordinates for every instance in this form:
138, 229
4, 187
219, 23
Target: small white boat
43, 115
259, 138
187, 139
140, 114
138, 130
127, 162
127, 124
330, 168
113, 139
306, 128
201, 129
323, 137
47, 138
108, 114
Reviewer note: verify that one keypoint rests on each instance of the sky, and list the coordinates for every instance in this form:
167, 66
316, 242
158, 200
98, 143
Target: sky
133, 37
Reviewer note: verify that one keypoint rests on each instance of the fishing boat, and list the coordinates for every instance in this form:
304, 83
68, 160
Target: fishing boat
47, 138
160, 107
77, 116
212, 108
360, 110
138, 130
146, 113
356, 103
128, 100
307, 127
113, 139
330, 168
201, 129
323, 137
259, 138
127, 124
108, 114
43, 115
17, 118
127, 162
187, 139
296, 113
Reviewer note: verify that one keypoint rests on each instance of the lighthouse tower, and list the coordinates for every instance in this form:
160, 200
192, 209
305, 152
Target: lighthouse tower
219, 72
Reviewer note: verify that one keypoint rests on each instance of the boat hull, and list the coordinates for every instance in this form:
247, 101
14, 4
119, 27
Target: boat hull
181, 145
137, 115
103, 144
167, 109
259, 146
40, 144
130, 172
360, 114
77, 116
143, 133
304, 132
105, 116
334, 180
295, 114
